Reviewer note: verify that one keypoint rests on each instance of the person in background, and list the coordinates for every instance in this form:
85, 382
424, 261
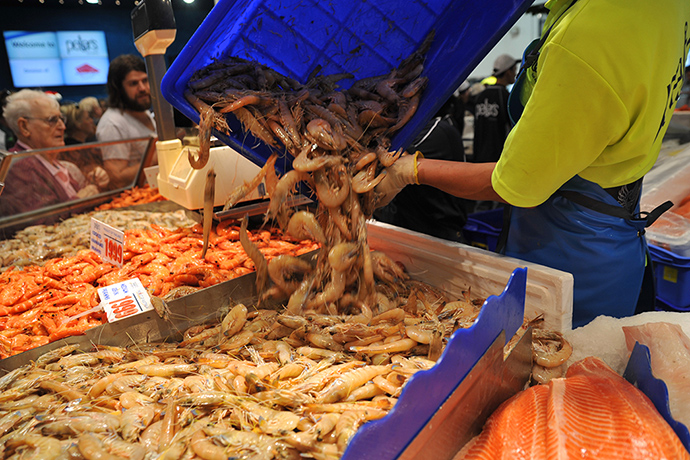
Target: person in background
7, 136
592, 103
79, 125
491, 121
128, 117
461, 106
426, 209
40, 180
93, 107
80, 128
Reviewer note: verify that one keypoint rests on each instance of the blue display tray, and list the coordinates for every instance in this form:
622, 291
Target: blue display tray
364, 38
639, 373
387, 438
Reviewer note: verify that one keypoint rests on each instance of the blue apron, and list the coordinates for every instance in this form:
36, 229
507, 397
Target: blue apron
583, 230
605, 254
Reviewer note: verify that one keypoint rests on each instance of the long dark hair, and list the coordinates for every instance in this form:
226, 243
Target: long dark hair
119, 68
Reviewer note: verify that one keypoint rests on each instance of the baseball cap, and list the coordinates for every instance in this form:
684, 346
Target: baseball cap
503, 63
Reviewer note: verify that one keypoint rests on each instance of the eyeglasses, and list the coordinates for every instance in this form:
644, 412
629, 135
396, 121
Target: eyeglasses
51, 121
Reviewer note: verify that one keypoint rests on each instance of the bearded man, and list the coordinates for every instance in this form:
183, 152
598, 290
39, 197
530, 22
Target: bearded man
128, 117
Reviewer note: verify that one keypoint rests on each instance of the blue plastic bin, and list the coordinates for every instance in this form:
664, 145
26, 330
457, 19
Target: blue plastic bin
365, 38
482, 229
672, 274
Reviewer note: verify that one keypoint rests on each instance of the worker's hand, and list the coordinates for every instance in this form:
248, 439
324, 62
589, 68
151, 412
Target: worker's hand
99, 177
402, 173
89, 190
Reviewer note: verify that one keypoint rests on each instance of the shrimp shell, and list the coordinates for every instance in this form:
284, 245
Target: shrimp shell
303, 225
348, 382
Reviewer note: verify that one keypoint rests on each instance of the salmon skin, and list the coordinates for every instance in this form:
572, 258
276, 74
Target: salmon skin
592, 413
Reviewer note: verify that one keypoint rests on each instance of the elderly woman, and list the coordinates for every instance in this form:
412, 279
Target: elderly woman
80, 128
39, 180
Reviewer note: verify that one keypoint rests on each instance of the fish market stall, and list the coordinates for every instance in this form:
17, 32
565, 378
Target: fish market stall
331, 335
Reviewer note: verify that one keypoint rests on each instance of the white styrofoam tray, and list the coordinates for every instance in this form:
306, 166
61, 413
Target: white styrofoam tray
455, 267
669, 179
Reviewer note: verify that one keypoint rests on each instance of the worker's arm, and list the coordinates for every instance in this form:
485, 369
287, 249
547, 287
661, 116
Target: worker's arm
464, 180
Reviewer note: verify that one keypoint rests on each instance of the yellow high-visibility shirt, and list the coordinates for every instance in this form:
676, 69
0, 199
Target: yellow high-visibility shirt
608, 78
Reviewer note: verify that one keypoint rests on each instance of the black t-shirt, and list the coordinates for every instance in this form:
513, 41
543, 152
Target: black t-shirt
423, 208
491, 124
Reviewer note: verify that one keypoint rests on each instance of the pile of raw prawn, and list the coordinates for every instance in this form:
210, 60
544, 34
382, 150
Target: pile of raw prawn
339, 143
256, 384
38, 303
39, 243
135, 195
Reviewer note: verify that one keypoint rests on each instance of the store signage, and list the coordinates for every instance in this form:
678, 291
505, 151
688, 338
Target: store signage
57, 58
124, 299
108, 242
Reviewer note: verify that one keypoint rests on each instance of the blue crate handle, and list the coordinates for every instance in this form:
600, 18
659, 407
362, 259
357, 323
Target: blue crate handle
427, 390
639, 372
667, 257
479, 226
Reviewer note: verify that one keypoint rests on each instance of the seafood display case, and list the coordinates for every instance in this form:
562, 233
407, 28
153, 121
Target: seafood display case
475, 353
13, 222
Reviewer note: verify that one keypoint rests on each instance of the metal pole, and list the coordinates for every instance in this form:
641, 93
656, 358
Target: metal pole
165, 120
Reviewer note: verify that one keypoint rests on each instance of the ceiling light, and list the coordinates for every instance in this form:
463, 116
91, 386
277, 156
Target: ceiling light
93, 2
188, 1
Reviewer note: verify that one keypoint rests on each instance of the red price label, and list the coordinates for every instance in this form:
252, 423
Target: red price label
124, 307
113, 250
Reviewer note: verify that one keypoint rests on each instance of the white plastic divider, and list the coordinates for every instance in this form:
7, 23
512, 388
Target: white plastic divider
456, 267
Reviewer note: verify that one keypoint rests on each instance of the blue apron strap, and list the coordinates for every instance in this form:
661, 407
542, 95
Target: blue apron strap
613, 210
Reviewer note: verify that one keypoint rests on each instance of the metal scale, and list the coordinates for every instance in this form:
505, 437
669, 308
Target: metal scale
153, 25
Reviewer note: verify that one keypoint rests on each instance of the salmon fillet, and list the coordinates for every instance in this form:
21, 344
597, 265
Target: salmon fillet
516, 430
592, 413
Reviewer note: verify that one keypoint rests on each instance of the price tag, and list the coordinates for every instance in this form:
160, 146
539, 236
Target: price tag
108, 242
125, 299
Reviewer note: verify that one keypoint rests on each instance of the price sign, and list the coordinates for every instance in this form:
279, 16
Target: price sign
125, 299
108, 242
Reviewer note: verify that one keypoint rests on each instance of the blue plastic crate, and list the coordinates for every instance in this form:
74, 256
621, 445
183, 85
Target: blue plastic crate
672, 274
482, 229
365, 38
